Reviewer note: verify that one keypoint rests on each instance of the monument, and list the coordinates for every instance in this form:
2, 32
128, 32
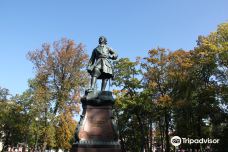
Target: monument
97, 131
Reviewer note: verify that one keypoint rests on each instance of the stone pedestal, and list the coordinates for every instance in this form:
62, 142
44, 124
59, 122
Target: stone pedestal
96, 131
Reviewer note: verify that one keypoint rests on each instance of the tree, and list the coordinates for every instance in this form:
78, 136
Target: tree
210, 64
134, 107
157, 78
12, 120
60, 77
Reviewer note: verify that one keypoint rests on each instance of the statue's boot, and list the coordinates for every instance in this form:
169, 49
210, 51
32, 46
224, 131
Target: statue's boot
103, 85
93, 83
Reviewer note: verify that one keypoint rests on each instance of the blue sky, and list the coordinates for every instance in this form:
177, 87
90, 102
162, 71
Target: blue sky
132, 27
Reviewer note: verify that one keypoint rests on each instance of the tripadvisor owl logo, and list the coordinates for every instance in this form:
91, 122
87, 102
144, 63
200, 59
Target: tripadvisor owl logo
176, 141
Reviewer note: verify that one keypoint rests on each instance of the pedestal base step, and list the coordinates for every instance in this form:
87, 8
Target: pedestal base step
96, 147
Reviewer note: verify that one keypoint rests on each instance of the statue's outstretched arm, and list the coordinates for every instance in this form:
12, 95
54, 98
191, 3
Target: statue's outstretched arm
113, 55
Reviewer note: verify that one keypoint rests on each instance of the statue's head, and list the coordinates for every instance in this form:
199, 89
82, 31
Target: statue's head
102, 40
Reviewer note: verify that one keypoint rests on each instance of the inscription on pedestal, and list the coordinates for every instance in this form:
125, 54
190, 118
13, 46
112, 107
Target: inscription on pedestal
98, 124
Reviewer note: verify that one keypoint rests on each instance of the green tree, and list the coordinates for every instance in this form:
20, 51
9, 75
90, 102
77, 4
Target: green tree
210, 66
133, 106
157, 78
12, 120
59, 79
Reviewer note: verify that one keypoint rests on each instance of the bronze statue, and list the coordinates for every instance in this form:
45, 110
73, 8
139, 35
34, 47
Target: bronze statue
100, 66
97, 129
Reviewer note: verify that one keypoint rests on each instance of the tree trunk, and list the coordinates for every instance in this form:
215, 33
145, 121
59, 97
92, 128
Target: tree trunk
120, 135
44, 146
162, 134
167, 131
151, 136
6, 143
142, 133
198, 131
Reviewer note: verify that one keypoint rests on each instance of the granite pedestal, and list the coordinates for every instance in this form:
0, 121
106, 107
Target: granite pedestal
97, 131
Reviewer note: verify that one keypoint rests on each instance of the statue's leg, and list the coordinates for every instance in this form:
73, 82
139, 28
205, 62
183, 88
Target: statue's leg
103, 85
96, 74
93, 82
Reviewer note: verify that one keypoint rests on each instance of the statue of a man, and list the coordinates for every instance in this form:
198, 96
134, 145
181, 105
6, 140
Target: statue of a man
100, 66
